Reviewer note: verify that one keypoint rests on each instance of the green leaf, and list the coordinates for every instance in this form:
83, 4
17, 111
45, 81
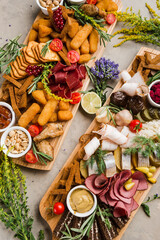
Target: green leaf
146, 209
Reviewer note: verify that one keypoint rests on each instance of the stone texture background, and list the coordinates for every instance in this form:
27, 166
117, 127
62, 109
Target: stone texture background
16, 17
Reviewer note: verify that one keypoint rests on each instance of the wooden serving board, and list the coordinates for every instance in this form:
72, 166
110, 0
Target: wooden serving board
140, 195
57, 142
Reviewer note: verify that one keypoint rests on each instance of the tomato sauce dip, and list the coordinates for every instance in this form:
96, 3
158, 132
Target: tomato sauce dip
5, 117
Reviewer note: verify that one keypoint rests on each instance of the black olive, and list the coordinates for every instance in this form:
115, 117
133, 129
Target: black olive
119, 99
135, 104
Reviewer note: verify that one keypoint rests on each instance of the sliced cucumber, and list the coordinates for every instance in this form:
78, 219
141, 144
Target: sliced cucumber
145, 115
153, 112
138, 116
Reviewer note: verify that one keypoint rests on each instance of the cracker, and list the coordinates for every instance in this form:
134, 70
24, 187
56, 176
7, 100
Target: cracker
19, 64
13, 81
19, 71
22, 62
29, 50
15, 73
35, 53
28, 59
50, 55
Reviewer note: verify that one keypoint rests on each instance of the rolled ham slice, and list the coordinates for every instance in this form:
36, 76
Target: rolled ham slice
91, 147
111, 133
108, 145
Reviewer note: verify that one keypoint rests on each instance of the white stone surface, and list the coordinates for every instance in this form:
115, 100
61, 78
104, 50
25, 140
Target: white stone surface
16, 17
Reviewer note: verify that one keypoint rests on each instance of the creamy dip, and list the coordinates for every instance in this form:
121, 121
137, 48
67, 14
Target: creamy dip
81, 200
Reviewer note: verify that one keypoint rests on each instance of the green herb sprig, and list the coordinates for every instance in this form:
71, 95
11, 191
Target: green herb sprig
105, 214
43, 77
98, 24
14, 211
45, 48
145, 146
145, 207
42, 157
8, 53
155, 77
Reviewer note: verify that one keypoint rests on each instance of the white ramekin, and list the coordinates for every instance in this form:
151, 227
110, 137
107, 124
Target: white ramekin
3, 139
76, 2
77, 214
4, 104
149, 97
44, 10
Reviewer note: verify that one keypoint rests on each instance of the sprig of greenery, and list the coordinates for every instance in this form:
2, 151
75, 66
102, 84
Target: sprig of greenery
145, 207
98, 24
14, 211
42, 157
8, 53
146, 146
83, 231
105, 214
155, 77
43, 77
45, 48
98, 157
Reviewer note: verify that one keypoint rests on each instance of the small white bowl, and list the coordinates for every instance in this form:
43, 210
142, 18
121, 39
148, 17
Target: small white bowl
77, 214
44, 10
149, 97
76, 2
3, 139
13, 119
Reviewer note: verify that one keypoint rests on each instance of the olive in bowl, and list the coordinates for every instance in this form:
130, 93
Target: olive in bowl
81, 202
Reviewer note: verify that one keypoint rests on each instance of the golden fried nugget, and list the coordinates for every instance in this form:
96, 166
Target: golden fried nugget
44, 31
85, 47
84, 58
81, 36
93, 41
28, 116
43, 39
39, 96
64, 106
33, 35
40, 85
73, 27
65, 115
47, 111
53, 117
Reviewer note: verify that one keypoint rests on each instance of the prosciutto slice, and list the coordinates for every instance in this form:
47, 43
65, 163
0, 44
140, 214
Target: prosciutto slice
72, 79
59, 66
110, 132
60, 77
82, 71
70, 68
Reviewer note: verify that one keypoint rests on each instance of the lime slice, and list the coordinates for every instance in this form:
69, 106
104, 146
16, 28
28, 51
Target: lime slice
91, 102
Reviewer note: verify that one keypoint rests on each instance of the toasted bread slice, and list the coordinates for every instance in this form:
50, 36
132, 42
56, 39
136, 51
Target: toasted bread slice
50, 56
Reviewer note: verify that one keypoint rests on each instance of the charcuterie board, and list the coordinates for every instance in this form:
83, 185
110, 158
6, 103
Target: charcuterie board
140, 195
57, 142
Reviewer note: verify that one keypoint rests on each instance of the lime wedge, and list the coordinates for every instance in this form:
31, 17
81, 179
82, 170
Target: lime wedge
91, 102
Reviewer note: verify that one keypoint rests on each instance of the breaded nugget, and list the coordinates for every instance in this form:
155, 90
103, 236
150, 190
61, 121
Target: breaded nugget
39, 96
29, 115
93, 41
65, 115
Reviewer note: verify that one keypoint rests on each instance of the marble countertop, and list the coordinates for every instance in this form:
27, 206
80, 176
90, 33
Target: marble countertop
16, 17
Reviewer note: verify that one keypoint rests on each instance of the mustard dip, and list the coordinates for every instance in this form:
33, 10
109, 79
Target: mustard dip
81, 200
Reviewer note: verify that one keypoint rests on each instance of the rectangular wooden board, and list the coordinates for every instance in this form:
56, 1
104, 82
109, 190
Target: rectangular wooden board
140, 195
57, 142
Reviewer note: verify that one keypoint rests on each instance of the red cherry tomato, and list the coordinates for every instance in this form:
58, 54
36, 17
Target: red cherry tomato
135, 126
111, 18
30, 157
92, 1
56, 45
58, 208
76, 97
40, 127
33, 130
73, 56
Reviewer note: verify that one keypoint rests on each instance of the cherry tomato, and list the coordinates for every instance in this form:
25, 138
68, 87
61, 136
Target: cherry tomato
33, 130
111, 18
56, 45
30, 157
40, 127
135, 126
58, 208
73, 56
76, 97
92, 1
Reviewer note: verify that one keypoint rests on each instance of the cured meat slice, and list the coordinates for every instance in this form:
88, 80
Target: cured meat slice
124, 176
60, 77
107, 187
89, 182
129, 194
103, 199
129, 207
135, 205
112, 194
110, 201
143, 185
82, 71
72, 79
70, 68
59, 66
120, 210
79, 85
116, 192
56, 88
65, 93
100, 181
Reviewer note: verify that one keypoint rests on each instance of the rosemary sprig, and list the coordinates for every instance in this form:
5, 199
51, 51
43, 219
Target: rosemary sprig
145, 207
146, 146
42, 157
8, 53
105, 214
45, 48
43, 77
14, 211
98, 24
155, 77
98, 157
